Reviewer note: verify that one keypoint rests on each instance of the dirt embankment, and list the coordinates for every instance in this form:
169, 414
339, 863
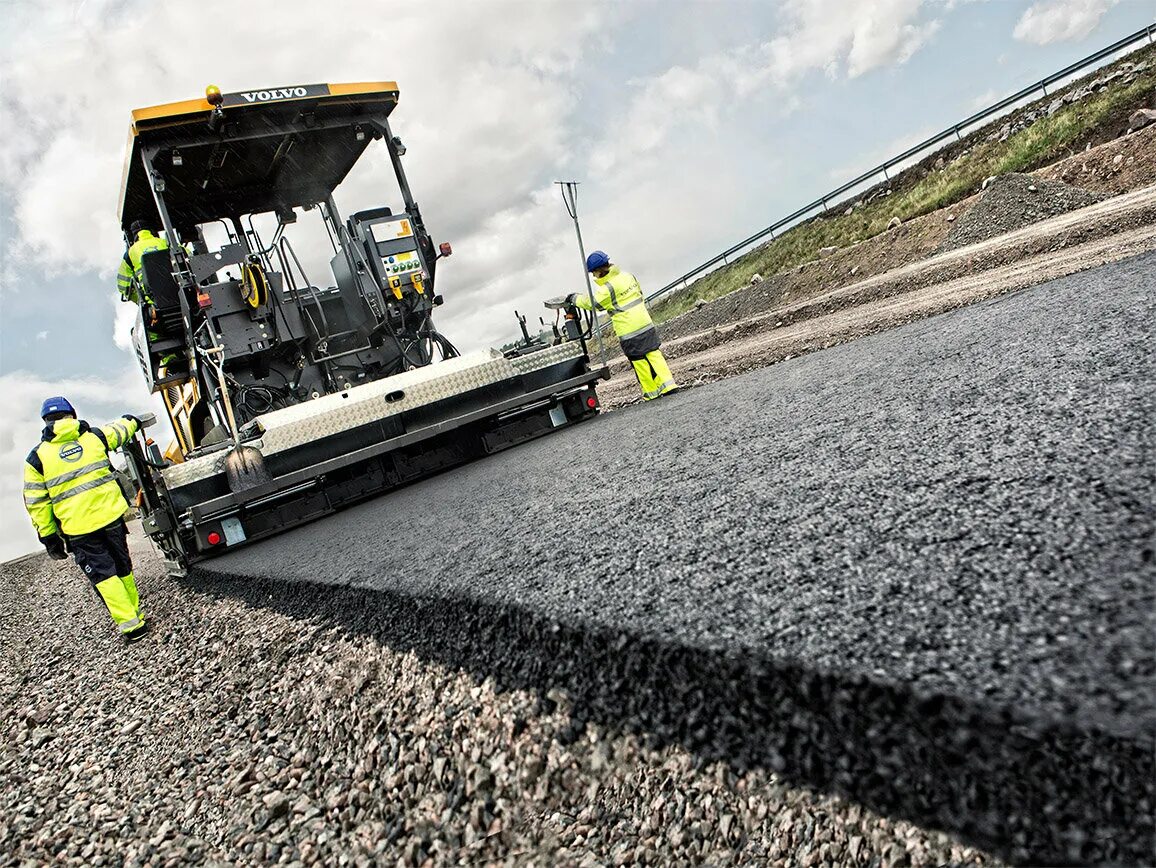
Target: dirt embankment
1119, 166
1088, 112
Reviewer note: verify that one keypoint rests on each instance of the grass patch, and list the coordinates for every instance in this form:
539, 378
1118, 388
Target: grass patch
918, 190
1051, 138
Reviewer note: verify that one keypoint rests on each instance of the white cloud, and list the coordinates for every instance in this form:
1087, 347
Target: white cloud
988, 97
484, 121
124, 319
833, 36
661, 103
854, 38
1060, 20
21, 393
866, 160
42, 336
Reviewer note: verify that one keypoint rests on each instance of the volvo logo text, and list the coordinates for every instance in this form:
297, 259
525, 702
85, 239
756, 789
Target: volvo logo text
270, 95
71, 451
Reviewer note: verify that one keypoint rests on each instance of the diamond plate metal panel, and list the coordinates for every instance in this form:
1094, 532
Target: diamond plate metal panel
331, 414
545, 358
194, 469
363, 405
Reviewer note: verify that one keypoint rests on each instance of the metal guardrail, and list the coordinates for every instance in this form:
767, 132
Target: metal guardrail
930, 144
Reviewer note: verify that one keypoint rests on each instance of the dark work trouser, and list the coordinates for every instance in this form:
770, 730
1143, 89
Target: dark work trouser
103, 556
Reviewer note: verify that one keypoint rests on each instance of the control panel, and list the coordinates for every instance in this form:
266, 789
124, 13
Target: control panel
400, 266
388, 264
400, 262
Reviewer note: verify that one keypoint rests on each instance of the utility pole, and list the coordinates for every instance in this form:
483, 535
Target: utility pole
570, 200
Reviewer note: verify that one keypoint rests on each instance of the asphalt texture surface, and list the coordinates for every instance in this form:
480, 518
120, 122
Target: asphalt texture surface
916, 569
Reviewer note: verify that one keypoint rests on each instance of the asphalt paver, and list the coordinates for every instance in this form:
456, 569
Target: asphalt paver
917, 568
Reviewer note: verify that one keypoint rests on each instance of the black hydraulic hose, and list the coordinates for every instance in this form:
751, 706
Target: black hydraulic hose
586, 321
397, 342
281, 310
449, 351
427, 330
140, 455
263, 251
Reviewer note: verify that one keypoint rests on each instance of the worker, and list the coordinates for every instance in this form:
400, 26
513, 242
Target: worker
620, 295
128, 275
76, 505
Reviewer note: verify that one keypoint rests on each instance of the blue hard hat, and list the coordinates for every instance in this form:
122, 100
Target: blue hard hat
57, 404
596, 260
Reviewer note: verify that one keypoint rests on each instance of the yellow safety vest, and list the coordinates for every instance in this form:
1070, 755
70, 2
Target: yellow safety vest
619, 294
68, 481
128, 275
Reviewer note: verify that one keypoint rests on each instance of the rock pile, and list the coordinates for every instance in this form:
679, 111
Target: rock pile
1012, 201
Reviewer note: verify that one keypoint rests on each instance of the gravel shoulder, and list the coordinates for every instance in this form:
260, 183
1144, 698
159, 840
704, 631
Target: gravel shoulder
240, 734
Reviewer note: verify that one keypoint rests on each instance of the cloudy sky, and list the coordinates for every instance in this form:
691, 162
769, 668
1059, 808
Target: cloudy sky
689, 124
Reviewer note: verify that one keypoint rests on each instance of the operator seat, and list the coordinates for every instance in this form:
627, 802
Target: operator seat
161, 286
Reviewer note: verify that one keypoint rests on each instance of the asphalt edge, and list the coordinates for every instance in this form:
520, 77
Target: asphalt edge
1039, 791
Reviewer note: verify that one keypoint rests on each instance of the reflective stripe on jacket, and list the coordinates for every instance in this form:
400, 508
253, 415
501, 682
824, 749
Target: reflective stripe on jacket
128, 274
619, 294
68, 481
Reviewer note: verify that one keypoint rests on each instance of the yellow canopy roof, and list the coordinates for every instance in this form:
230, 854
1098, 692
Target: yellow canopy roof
275, 147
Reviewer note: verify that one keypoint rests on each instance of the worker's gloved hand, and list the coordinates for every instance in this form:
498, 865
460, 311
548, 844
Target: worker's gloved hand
54, 545
131, 418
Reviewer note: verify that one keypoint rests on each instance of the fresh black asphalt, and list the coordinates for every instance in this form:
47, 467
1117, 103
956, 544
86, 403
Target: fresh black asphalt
916, 568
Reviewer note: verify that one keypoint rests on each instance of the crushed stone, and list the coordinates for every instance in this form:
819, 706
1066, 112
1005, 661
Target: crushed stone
1012, 202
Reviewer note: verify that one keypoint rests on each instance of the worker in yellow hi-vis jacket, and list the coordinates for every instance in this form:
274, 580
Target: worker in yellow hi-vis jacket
620, 295
76, 503
128, 279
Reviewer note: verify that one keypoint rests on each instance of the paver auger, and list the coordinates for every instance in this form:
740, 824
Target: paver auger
290, 399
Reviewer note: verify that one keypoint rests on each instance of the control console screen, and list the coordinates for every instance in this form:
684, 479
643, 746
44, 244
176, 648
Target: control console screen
391, 230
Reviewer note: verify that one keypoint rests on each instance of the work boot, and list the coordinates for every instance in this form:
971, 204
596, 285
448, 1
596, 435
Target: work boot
137, 634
